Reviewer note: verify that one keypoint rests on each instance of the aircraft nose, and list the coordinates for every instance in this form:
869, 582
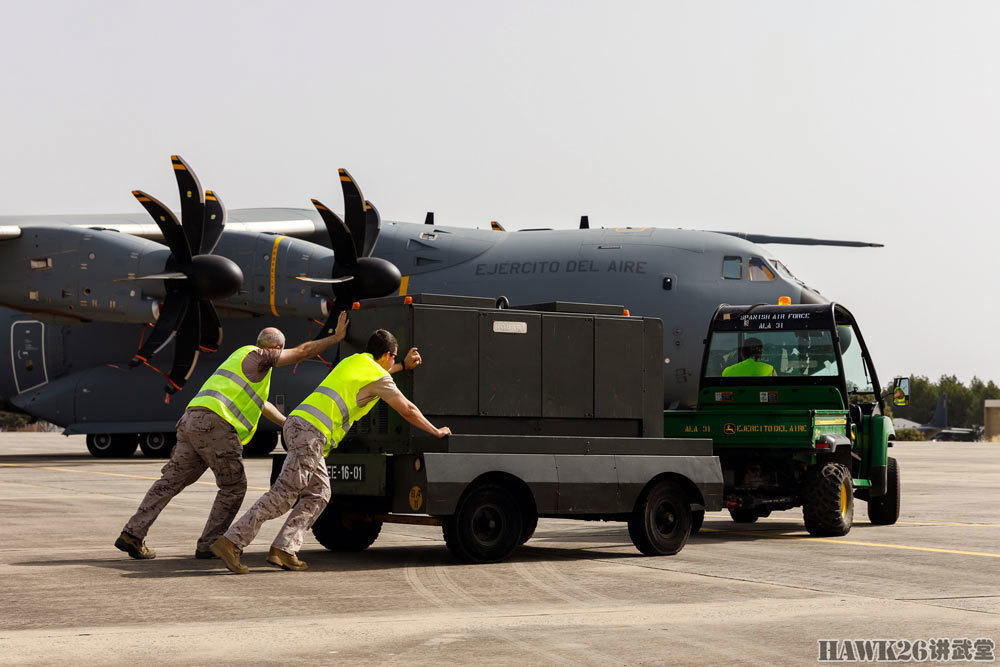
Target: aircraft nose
809, 295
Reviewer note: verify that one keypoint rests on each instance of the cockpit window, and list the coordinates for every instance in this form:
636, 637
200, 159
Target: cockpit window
785, 353
784, 270
732, 268
759, 270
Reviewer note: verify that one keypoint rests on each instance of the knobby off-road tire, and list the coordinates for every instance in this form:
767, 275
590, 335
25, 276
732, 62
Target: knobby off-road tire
339, 533
661, 522
112, 445
884, 510
486, 527
828, 501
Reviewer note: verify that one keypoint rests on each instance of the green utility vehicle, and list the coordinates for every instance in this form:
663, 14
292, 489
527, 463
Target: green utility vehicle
792, 403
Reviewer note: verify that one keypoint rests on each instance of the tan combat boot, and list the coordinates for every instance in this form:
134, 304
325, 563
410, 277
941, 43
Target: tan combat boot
134, 547
230, 555
285, 560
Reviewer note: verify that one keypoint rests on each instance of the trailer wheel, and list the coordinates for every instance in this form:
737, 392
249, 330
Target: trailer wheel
157, 445
697, 520
884, 510
112, 445
661, 522
529, 522
486, 526
338, 533
828, 501
261, 444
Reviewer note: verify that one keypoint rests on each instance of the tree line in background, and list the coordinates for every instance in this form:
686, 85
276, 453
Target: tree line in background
965, 403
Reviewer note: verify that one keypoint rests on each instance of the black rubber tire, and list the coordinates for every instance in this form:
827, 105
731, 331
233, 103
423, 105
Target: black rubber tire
487, 525
261, 444
336, 533
697, 520
884, 510
740, 515
828, 501
661, 522
157, 445
112, 445
529, 522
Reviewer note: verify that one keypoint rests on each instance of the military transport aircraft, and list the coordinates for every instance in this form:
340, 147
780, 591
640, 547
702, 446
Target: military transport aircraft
95, 305
937, 428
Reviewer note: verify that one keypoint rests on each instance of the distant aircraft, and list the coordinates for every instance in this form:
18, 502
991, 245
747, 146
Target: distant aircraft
78, 292
938, 429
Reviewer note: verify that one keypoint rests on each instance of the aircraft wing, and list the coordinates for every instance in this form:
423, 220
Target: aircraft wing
800, 240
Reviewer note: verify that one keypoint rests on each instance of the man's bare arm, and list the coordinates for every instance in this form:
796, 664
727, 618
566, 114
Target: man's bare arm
313, 347
411, 413
273, 414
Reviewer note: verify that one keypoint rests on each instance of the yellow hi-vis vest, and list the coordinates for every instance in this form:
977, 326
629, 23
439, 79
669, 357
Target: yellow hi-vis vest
749, 368
333, 406
229, 394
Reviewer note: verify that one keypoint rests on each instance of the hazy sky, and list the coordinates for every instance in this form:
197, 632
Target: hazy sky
856, 120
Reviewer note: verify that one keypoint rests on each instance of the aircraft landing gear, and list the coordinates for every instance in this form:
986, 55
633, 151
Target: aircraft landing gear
157, 445
112, 445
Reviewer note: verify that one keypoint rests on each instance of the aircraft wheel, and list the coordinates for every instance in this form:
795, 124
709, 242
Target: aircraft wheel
828, 501
112, 445
261, 444
661, 521
486, 526
884, 510
337, 533
528, 526
157, 445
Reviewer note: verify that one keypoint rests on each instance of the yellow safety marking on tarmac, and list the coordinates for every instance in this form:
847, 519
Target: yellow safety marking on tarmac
274, 266
953, 524
109, 474
880, 545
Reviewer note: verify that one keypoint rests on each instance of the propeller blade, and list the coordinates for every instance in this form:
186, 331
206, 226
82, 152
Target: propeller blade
175, 306
173, 233
373, 223
215, 222
328, 281
186, 350
584, 222
344, 252
211, 327
174, 275
354, 210
496, 226
192, 203
429, 219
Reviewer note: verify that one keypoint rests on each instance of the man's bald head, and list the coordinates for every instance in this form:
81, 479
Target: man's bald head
270, 338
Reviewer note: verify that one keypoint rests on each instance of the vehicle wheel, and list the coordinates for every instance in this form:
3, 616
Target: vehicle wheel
261, 444
884, 510
157, 445
486, 527
337, 533
697, 519
529, 522
661, 522
740, 515
828, 501
112, 445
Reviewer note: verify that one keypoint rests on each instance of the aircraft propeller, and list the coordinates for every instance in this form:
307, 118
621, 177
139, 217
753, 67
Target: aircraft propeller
192, 274
356, 274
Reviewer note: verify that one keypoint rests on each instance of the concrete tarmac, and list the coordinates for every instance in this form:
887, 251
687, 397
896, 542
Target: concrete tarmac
577, 593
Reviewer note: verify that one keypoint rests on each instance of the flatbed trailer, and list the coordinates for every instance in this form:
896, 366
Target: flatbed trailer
556, 411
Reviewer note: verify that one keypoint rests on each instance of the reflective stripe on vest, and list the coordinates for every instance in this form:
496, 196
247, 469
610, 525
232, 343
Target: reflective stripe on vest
231, 395
332, 407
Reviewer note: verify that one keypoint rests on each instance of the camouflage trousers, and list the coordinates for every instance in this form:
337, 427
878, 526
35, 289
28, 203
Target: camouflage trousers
204, 441
303, 485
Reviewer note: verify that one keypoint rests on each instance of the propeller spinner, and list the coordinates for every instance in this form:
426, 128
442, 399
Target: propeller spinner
356, 274
193, 276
